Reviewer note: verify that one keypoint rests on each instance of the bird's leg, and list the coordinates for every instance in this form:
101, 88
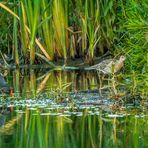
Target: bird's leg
114, 85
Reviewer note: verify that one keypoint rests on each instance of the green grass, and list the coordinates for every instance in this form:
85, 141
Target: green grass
69, 29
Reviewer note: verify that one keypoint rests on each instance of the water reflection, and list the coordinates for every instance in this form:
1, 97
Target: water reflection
32, 129
29, 83
43, 87
71, 109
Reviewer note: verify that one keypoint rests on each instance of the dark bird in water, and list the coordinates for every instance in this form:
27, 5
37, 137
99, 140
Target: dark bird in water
4, 87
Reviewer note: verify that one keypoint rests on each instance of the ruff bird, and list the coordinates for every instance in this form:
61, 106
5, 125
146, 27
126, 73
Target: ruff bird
109, 66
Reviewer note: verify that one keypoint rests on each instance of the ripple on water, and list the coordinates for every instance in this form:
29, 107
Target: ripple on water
51, 114
116, 115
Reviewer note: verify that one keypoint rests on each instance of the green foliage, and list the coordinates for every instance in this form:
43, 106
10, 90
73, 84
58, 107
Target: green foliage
133, 34
77, 28
6, 28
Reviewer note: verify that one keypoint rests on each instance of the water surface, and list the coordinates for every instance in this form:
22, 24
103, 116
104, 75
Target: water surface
72, 109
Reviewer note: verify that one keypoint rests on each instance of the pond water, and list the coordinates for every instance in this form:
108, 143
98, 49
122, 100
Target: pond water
64, 109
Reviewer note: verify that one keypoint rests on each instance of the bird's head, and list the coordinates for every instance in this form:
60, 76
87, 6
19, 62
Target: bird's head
122, 58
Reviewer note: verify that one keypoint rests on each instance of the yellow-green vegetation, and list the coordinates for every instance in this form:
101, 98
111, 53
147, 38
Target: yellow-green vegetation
63, 102
61, 128
54, 29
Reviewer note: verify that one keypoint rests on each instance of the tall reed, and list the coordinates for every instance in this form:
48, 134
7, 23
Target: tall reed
24, 36
45, 27
60, 23
82, 28
93, 25
32, 11
15, 40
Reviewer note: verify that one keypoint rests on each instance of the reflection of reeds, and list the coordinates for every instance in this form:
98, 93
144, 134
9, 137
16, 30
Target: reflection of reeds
33, 82
16, 82
41, 86
8, 127
59, 82
48, 130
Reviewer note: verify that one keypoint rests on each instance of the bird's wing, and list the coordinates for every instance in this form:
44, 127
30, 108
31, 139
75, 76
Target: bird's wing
109, 68
104, 65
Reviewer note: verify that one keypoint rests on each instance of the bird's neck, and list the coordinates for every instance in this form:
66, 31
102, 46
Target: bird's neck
118, 66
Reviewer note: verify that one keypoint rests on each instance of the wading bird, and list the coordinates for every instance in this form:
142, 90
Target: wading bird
109, 66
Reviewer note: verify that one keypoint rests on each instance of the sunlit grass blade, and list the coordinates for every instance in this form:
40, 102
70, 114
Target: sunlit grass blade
15, 41
60, 25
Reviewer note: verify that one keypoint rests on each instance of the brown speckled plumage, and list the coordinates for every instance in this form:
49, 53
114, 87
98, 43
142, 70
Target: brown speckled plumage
109, 66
